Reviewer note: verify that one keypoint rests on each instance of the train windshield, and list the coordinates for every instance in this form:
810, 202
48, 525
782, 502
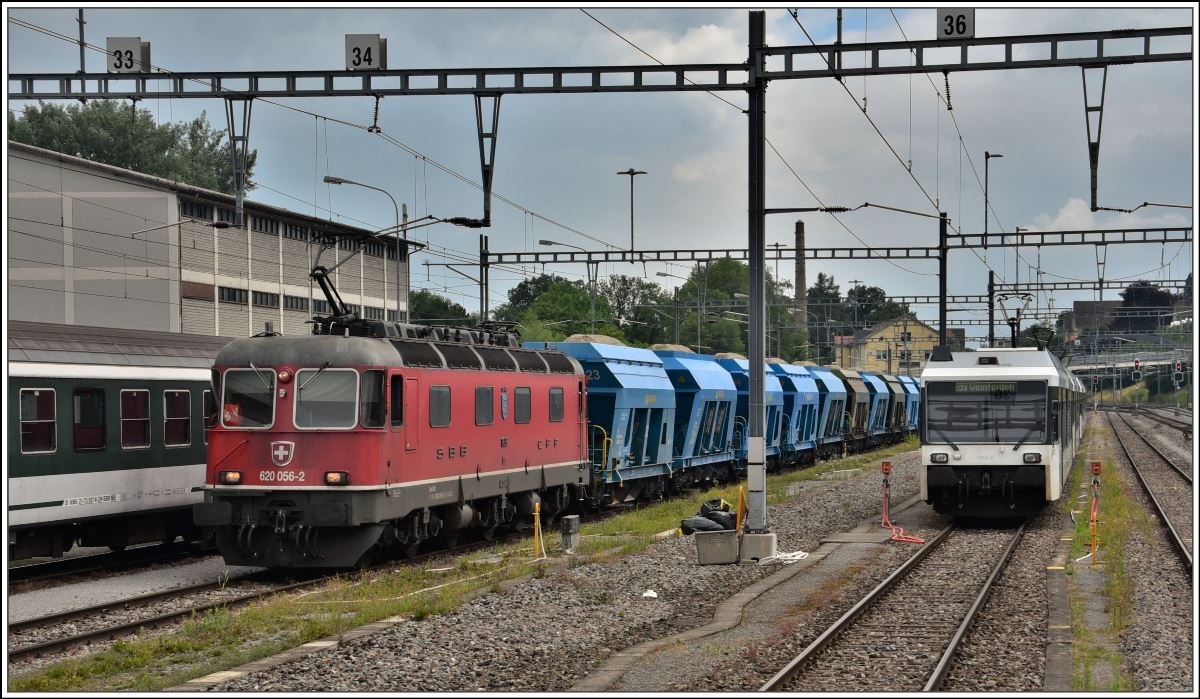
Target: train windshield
326, 398
249, 399
980, 412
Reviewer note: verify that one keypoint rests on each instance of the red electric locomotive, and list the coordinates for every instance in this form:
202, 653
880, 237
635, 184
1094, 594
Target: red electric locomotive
371, 435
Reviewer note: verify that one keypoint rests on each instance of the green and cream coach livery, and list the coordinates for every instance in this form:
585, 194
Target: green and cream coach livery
1000, 429
106, 436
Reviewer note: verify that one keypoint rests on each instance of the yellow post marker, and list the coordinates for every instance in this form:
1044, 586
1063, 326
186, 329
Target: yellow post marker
537, 529
741, 508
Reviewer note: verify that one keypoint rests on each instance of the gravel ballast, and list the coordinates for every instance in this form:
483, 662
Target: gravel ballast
545, 634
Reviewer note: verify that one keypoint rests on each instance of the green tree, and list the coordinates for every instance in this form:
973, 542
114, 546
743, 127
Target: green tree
123, 135
427, 306
641, 308
522, 296
1143, 294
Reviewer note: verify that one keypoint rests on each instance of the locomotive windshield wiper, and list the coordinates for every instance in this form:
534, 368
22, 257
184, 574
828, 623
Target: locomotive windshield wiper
314, 376
270, 386
948, 441
1027, 436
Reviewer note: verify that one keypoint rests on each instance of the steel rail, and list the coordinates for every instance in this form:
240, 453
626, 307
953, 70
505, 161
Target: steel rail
1187, 477
1180, 548
790, 670
113, 560
943, 667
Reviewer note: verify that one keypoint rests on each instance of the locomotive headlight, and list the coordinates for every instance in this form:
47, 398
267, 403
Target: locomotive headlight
1033, 458
940, 457
230, 477
337, 478
284, 376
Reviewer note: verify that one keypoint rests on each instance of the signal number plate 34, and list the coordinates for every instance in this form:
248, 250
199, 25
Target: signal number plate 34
281, 476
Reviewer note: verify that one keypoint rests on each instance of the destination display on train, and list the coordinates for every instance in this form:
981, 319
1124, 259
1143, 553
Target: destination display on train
995, 388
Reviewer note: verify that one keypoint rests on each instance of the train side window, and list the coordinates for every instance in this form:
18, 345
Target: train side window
556, 405
135, 418
370, 399
439, 406
177, 418
397, 400
210, 412
522, 410
37, 421
484, 405
90, 427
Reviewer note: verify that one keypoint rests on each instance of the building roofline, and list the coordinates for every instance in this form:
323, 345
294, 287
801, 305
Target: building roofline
208, 196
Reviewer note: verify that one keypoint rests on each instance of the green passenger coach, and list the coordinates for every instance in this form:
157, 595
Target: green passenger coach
107, 441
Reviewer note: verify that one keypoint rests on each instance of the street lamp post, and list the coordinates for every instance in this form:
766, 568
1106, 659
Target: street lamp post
593, 272
401, 248
632, 173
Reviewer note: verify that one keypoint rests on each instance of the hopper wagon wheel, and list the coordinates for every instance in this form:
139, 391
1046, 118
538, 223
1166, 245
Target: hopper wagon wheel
449, 539
410, 550
489, 532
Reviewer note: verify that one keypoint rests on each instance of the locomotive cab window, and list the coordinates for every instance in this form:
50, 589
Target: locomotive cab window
210, 412
326, 399
37, 421
484, 405
371, 404
556, 405
249, 398
522, 408
397, 400
177, 418
90, 427
439, 406
135, 419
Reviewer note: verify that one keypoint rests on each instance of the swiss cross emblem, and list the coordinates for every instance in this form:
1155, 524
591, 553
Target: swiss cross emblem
282, 452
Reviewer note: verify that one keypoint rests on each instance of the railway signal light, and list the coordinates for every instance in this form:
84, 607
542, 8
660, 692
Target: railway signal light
886, 467
1137, 365
1095, 468
1178, 367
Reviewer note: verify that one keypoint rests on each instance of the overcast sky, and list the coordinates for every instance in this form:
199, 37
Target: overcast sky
557, 155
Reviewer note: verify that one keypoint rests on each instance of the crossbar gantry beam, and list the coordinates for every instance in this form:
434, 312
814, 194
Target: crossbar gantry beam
709, 255
1091, 49
1050, 238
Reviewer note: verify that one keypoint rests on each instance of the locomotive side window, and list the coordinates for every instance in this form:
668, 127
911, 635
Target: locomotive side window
177, 418
397, 400
439, 406
556, 405
37, 421
90, 429
210, 411
249, 398
522, 408
326, 398
484, 405
370, 402
135, 418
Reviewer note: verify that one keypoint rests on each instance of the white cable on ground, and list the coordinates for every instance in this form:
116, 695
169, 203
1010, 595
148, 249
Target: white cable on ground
784, 558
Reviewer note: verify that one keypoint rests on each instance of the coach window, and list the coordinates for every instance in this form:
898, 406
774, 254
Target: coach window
249, 398
177, 418
90, 427
37, 421
326, 398
439, 406
370, 401
556, 405
397, 400
484, 405
135, 419
522, 408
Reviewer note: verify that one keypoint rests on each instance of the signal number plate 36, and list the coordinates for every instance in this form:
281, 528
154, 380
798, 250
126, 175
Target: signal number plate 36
281, 476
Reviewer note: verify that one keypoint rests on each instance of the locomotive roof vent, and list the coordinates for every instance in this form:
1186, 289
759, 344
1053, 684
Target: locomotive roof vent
941, 353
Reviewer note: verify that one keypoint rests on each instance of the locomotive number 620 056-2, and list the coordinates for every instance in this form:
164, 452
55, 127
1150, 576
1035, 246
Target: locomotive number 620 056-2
281, 476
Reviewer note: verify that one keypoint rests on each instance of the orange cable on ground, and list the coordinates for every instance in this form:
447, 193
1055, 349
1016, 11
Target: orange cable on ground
897, 532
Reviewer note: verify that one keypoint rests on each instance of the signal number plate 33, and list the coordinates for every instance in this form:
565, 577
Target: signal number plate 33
281, 476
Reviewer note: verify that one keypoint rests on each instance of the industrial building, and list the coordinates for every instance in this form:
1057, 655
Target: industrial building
96, 245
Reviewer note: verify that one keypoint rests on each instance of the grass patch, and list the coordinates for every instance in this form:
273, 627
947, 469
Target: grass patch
1120, 519
226, 638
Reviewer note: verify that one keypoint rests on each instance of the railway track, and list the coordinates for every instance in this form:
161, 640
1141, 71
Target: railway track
1166, 484
1161, 416
111, 561
905, 633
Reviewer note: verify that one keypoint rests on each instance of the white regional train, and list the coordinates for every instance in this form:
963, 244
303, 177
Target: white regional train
1000, 431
